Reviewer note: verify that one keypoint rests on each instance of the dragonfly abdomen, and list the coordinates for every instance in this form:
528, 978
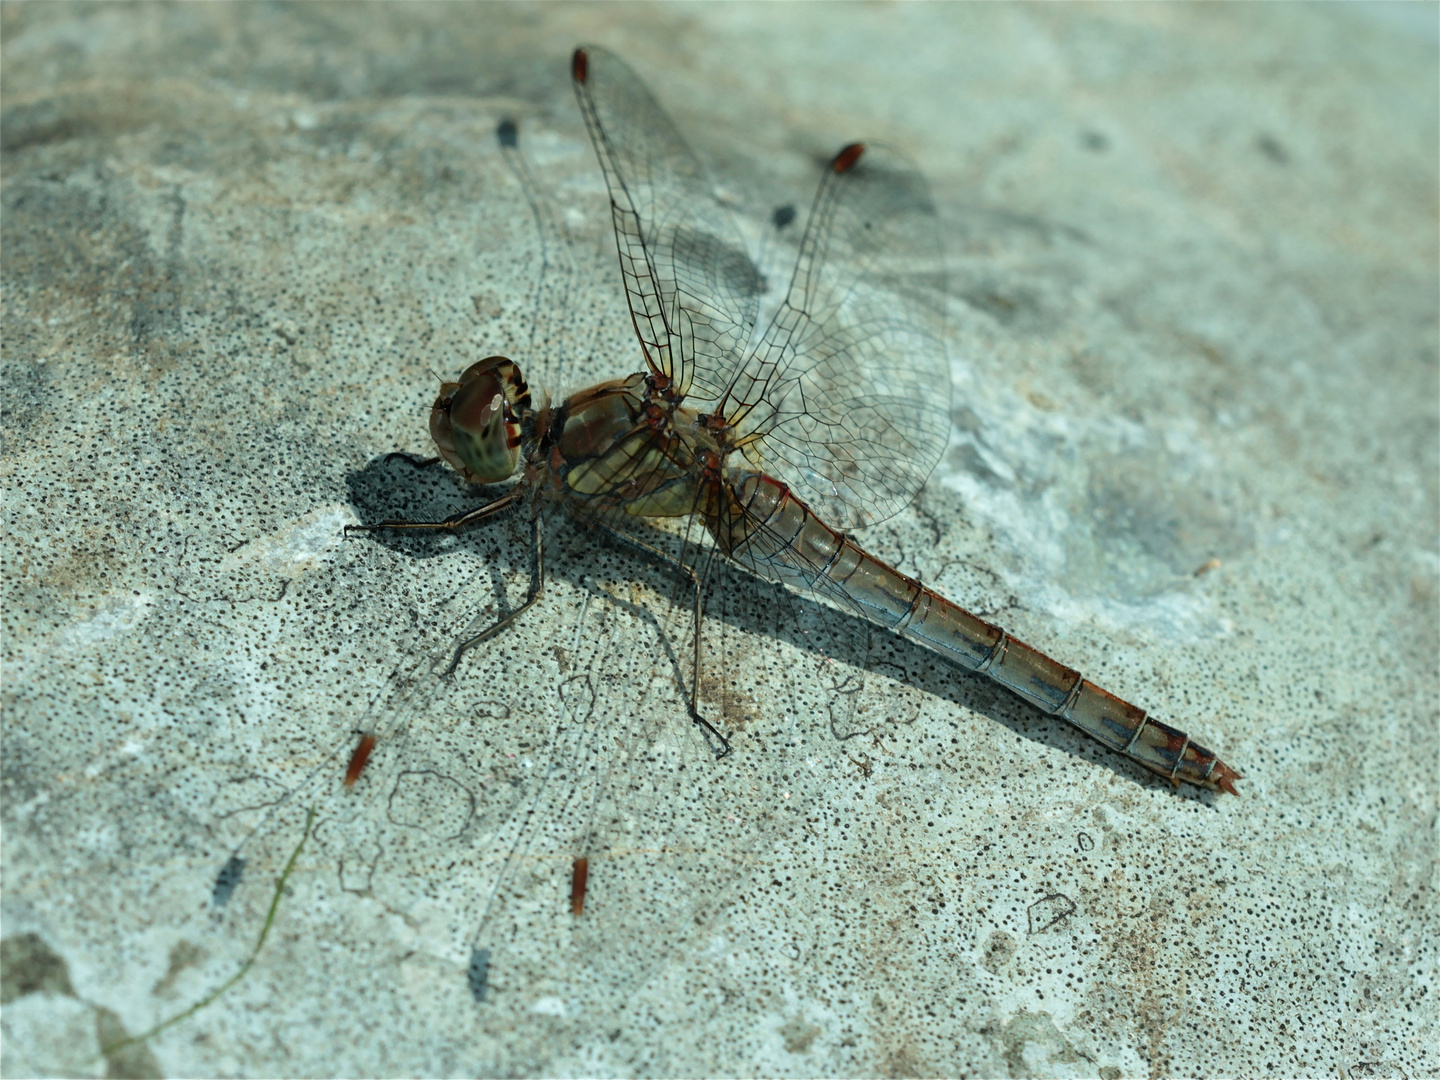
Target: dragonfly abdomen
768, 530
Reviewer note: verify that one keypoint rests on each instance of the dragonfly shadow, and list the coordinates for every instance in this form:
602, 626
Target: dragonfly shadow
894, 670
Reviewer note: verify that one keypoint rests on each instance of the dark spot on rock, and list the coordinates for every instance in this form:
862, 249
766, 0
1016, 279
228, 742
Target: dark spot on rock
29, 966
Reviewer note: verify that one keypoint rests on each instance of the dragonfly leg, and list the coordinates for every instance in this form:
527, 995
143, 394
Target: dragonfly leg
454, 521
414, 460
537, 586
688, 573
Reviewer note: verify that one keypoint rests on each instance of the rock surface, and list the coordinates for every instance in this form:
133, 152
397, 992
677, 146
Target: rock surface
1193, 282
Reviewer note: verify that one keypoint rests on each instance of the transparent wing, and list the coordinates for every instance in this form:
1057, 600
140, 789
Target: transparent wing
847, 395
692, 288
565, 331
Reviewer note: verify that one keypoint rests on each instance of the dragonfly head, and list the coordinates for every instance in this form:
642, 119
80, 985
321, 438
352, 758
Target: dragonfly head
476, 422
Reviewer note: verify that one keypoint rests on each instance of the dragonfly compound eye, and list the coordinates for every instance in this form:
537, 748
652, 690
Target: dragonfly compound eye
475, 424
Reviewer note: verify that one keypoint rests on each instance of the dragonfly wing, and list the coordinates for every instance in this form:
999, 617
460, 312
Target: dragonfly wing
693, 290
847, 395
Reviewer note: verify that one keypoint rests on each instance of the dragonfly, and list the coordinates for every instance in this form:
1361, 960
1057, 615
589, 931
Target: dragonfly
763, 442
779, 442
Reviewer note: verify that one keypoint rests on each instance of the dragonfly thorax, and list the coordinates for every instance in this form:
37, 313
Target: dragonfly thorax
476, 422
621, 445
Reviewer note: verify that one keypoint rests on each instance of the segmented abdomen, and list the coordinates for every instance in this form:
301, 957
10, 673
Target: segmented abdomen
764, 528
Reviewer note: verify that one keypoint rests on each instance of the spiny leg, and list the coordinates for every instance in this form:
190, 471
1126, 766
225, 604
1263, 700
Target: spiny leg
697, 584
537, 586
413, 460
457, 520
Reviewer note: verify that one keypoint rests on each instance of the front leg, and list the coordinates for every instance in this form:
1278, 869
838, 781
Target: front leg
454, 521
470, 517
413, 460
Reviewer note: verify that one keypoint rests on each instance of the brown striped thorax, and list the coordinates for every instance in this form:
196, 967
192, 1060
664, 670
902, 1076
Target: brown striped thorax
622, 443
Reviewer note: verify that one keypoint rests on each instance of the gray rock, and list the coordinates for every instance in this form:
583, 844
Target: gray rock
1193, 277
